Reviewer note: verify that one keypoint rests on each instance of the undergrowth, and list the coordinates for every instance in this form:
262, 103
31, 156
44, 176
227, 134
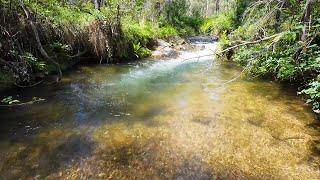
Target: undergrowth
279, 49
68, 32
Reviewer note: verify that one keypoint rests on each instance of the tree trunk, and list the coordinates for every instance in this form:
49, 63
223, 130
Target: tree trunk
96, 4
306, 17
217, 6
277, 23
207, 8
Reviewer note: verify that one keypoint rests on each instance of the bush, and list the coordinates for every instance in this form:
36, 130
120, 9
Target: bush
313, 94
139, 33
167, 31
140, 51
218, 24
285, 56
144, 35
34, 63
176, 15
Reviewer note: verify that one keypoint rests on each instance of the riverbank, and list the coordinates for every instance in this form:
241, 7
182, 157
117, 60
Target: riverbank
281, 43
44, 38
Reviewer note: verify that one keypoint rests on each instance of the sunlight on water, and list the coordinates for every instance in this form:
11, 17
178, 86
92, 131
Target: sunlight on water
165, 119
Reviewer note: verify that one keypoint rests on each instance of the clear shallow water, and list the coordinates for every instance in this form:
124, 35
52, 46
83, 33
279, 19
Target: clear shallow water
173, 119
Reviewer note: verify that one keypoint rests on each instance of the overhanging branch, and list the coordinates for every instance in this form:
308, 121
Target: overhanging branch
249, 43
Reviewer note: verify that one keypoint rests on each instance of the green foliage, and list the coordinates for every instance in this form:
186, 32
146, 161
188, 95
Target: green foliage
9, 100
313, 94
5, 76
54, 12
167, 31
175, 11
218, 24
59, 47
226, 21
34, 63
283, 57
175, 14
240, 7
140, 51
143, 35
139, 33
284, 64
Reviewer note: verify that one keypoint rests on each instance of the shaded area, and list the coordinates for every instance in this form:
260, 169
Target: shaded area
43, 155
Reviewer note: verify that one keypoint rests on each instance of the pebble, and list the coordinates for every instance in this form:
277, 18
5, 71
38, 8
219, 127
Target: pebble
101, 175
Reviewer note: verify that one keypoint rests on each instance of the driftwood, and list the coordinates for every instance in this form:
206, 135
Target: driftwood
39, 44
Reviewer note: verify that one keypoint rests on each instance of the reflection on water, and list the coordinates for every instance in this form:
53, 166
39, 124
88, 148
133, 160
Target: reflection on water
173, 119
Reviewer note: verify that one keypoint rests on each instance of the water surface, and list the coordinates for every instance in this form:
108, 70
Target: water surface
163, 119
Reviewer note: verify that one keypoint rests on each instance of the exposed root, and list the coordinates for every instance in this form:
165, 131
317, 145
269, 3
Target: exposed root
39, 45
29, 86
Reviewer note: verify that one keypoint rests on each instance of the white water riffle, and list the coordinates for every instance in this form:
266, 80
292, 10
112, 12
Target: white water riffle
185, 58
146, 77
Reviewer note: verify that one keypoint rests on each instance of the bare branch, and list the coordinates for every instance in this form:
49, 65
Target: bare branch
249, 43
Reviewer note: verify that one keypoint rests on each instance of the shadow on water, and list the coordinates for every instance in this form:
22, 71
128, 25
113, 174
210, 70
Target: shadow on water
39, 159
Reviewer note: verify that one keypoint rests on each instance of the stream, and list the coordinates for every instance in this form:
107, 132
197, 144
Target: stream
180, 118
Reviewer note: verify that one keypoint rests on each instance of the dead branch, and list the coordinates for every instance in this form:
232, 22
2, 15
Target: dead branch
248, 43
198, 57
29, 86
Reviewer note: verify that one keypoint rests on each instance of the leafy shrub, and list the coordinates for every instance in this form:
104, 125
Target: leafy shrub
174, 12
167, 31
218, 24
191, 24
285, 55
224, 41
176, 15
139, 33
143, 35
59, 47
58, 15
313, 93
34, 63
140, 51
